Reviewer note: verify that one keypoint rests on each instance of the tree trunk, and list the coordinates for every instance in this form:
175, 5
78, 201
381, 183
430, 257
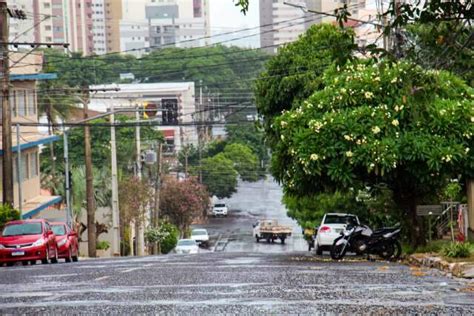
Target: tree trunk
407, 199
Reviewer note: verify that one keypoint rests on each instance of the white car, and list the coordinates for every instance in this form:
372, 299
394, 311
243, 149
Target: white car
200, 235
186, 246
220, 209
331, 227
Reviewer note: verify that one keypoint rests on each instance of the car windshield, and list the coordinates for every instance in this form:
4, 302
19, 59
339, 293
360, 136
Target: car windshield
219, 205
58, 230
22, 229
198, 232
340, 219
186, 242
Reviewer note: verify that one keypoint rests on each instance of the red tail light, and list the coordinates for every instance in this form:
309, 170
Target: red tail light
325, 229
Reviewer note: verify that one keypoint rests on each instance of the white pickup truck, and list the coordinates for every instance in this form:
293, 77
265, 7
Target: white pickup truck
270, 230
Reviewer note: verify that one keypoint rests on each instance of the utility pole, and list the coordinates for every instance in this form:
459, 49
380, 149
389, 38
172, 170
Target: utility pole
156, 216
7, 164
91, 229
18, 169
200, 131
139, 225
68, 179
115, 198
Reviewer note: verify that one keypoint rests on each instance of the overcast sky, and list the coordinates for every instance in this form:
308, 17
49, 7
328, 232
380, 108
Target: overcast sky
225, 17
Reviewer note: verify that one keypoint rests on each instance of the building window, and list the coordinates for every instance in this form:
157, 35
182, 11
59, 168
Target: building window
46, 5
33, 164
47, 27
24, 167
31, 102
13, 103
21, 102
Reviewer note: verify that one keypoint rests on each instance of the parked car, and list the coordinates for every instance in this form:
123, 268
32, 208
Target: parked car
187, 246
220, 209
66, 239
200, 235
28, 241
331, 227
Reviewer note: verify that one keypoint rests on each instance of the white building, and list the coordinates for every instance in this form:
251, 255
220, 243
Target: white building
174, 104
134, 37
99, 27
282, 23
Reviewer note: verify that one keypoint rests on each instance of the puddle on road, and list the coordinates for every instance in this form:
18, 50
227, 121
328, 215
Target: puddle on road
243, 260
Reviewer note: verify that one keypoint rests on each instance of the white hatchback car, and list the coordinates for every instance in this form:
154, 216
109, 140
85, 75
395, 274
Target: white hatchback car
331, 227
186, 246
200, 235
220, 209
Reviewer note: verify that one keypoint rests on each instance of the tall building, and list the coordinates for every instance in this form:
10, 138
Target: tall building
164, 23
113, 16
281, 23
99, 28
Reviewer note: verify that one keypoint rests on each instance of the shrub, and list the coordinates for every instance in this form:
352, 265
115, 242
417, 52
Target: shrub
169, 242
7, 214
103, 245
457, 250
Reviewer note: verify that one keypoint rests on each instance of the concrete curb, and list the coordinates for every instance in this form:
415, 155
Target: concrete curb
457, 269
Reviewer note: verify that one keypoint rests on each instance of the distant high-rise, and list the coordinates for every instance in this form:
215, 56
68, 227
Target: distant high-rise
281, 23
89, 26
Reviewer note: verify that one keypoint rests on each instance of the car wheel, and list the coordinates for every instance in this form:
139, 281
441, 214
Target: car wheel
10, 264
319, 250
25, 263
76, 257
32, 262
69, 256
55, 258
45, 260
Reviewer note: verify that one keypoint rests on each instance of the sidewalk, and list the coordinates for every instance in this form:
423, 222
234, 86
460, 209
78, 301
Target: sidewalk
457, 269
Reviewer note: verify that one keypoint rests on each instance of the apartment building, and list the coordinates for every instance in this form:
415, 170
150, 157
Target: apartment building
164, 23
281, 23
23, 101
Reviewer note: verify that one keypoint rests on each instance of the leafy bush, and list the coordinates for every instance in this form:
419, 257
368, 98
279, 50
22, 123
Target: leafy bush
457, 250
7, 214
103, 245
169, 242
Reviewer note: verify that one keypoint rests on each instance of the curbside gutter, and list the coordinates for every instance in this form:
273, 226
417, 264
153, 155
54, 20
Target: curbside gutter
457, 269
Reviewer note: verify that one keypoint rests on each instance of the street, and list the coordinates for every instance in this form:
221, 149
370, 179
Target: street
217, 283
253, 201
240, 276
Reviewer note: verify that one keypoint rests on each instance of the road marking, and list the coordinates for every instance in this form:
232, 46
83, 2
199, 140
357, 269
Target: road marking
102, 278
130, 270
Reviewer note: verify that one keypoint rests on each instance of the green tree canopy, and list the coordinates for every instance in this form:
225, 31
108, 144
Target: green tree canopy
373, 124
219, 175
296, 71
245, 161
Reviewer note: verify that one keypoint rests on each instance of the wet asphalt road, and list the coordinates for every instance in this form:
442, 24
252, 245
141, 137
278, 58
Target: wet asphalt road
240, 277
236, 283
253, 201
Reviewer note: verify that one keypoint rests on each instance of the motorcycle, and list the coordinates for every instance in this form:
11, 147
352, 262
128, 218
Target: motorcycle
362, 240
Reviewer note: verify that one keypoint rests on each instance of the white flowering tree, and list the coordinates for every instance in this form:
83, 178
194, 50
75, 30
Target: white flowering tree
395, 125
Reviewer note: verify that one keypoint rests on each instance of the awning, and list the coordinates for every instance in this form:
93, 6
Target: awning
30, 77
168, 133
34, 142
38, 204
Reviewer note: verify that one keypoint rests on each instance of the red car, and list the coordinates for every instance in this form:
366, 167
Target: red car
66, 239
27, 241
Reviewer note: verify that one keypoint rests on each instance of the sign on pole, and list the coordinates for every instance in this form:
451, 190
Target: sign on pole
427, 210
